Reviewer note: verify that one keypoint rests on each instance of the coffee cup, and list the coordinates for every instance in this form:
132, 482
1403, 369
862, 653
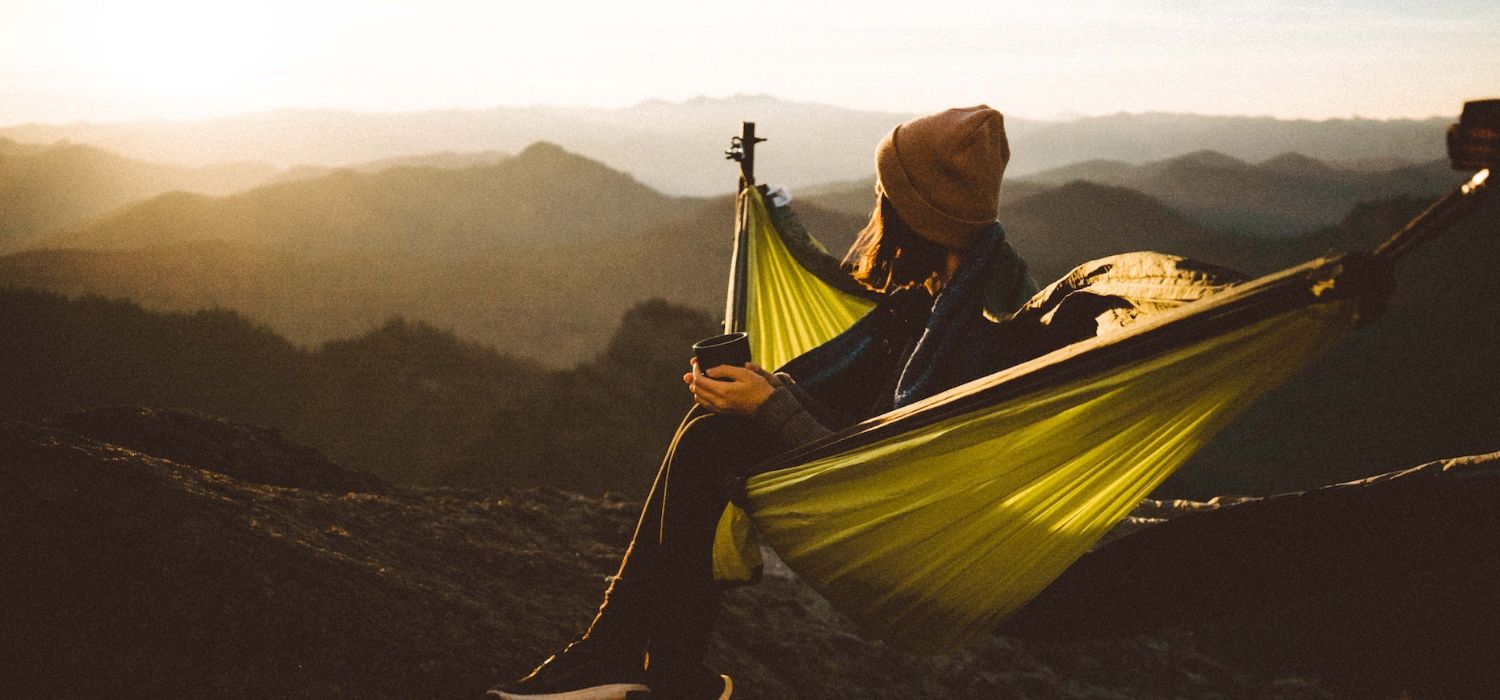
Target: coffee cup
727, 349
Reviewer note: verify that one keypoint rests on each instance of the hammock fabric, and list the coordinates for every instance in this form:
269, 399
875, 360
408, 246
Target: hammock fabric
931, 524
790, 309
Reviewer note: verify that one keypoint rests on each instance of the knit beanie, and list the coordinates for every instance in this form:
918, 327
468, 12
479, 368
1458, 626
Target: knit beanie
942, 173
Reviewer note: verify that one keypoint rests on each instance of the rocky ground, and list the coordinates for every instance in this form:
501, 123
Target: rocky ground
159, 554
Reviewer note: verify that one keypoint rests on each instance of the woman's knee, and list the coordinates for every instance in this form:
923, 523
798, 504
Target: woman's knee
713, 445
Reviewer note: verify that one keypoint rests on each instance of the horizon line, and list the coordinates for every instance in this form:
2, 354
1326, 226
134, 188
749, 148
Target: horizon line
1062, 118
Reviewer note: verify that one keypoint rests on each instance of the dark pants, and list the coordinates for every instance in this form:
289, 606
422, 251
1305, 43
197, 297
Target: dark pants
664, 600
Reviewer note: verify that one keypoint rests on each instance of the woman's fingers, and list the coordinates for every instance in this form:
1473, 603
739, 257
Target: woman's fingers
707, 397
738, 390
730, 372
729, 389
708, 386
768, 376
715, 394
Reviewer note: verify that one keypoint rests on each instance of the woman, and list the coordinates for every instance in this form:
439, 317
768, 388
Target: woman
934, 249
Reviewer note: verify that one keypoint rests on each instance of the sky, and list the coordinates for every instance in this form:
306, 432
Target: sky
63, 61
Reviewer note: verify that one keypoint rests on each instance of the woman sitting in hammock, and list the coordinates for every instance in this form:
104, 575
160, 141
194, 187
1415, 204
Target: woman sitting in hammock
935, 251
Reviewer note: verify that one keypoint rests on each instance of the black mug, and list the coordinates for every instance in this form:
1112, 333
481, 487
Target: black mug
727, 349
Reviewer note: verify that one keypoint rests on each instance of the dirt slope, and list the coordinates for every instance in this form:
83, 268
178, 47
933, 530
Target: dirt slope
132, 575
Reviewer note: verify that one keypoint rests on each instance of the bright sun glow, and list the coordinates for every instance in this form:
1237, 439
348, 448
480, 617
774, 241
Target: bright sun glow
193, 56
110, 60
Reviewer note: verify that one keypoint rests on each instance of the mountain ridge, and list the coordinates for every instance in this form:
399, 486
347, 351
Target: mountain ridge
673, 145
543, 194
1281, 196
44, 188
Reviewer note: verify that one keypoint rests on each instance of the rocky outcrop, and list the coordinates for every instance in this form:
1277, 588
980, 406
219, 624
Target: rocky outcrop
248, 453
158, 554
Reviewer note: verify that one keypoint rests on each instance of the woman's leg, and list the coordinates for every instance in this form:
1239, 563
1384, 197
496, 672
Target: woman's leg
629, 600
700, 471
663, 596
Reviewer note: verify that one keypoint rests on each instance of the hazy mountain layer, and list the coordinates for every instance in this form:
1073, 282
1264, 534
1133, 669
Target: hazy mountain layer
447, 160
1283, 196
542, 196
674, 146
1066, 226
1143, 138
45, 188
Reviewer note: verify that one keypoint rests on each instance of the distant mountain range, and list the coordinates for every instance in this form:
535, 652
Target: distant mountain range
536, 254
1142, 138
675, 147
1282, 196
48, 187
544, 195
446, 160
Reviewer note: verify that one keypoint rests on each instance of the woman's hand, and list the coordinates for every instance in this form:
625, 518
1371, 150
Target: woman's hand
744, 391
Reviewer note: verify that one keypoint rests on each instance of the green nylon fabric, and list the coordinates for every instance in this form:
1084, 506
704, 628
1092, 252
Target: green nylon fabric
930, 538
788, 310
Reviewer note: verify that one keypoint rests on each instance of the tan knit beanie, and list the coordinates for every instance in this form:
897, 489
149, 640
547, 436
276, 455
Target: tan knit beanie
942, 172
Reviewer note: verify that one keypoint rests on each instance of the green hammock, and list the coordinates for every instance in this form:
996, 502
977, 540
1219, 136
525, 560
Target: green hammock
790, 310
930, 524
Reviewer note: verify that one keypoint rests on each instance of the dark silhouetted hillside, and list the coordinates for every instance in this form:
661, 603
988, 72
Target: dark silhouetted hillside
409, 401
140, 572
246, 452
1281, 197
604, 423
1380, 587
59, 355
406, 401
46, 188
1417, 384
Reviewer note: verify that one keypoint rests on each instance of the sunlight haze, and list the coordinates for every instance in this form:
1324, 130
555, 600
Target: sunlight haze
103, 61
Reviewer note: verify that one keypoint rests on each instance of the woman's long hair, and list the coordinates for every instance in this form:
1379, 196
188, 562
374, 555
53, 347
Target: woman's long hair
888, 255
